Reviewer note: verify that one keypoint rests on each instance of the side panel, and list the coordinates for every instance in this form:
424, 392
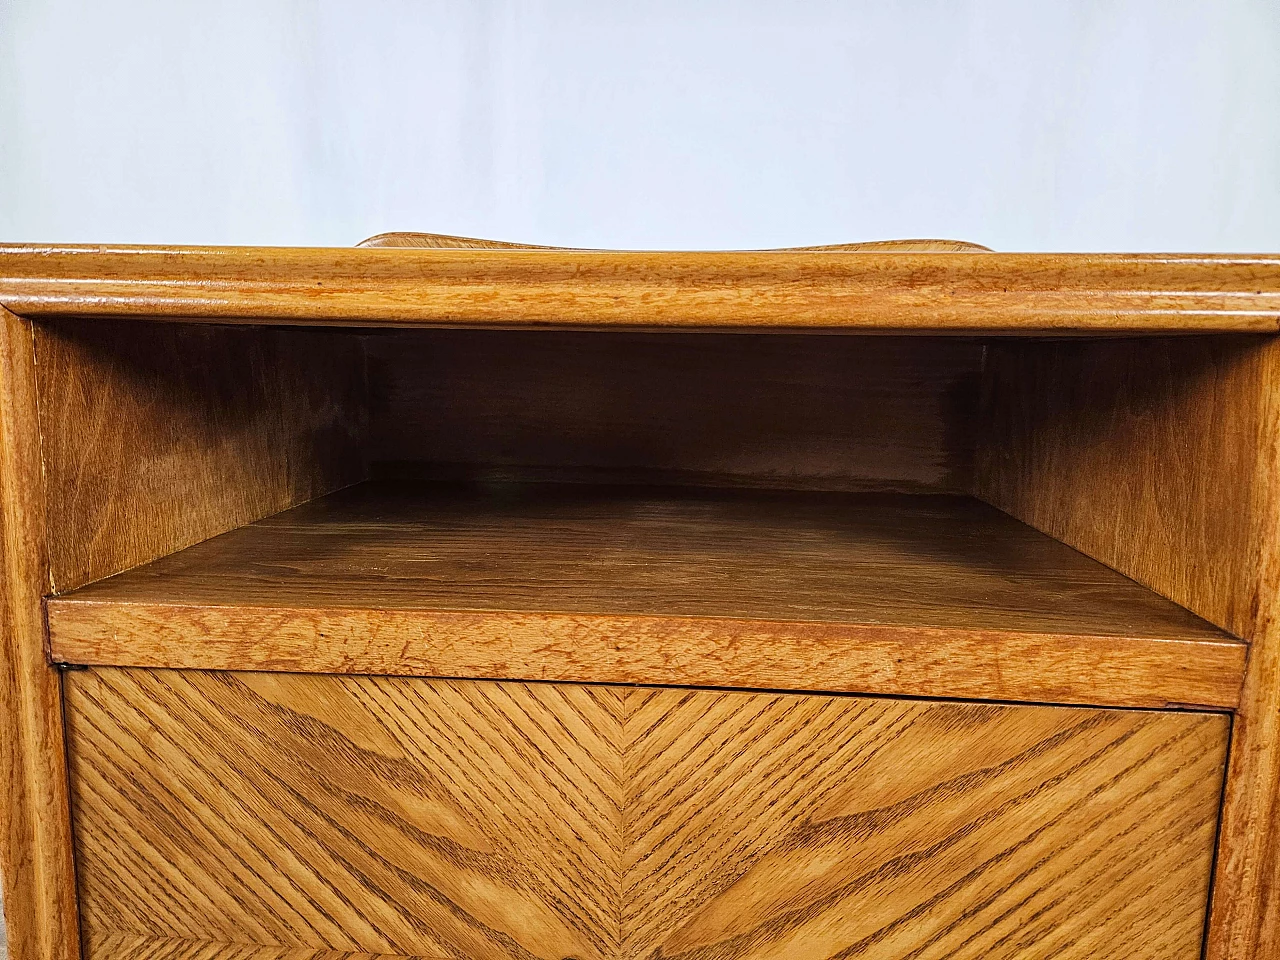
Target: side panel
1245, 922
1140, 453
157, 436
35, 845
1161, 458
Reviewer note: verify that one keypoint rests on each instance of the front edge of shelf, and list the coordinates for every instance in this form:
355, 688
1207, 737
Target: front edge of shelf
659, 650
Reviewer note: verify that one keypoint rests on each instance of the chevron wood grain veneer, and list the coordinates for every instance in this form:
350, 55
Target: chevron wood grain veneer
134, 947
451, 818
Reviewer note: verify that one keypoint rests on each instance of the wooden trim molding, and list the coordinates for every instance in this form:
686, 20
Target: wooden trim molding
35, 846
799, 289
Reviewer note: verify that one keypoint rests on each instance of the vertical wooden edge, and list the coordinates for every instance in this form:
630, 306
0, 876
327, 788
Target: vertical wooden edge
36, 860
1244, 919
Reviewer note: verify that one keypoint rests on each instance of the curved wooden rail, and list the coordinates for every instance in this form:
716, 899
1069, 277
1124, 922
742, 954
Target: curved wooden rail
444, 241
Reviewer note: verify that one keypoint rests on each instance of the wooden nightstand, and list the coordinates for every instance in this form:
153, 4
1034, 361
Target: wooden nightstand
446, 598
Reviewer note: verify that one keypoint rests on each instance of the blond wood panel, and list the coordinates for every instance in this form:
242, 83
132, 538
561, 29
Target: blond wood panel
873, 593
447, 818
157, 437
35, 845
1025, 293
443, 241
1246, 903
766, 410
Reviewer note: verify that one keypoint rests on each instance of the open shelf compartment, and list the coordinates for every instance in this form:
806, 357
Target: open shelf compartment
766, 511
872, 593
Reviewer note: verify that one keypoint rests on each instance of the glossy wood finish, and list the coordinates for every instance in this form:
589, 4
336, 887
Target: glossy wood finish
446, 818
1246, 903
156, 437
126, 946
1141, 453
785, 411
928, 596
948, 292
1160, 457
35, 844
1155, 456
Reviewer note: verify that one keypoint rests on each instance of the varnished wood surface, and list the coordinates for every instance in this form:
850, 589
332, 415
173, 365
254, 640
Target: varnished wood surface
972, 292
159, 436
118, 946
1159, 457
35, 844
451, 818
1140, 453
441, 241
776, 410
1246, 906
938, 596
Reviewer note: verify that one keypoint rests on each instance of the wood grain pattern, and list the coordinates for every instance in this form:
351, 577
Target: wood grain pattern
929, 596
1140, 453
973, 292
842, 413
35, 843
1160, 458
125, 946
477, 819
159, 436
442, 241
1245, 920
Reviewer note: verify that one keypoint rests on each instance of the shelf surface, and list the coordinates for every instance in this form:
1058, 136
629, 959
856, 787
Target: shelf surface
965, 292
873, 593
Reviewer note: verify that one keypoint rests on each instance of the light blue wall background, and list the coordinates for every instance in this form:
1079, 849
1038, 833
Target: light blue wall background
1049, 125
